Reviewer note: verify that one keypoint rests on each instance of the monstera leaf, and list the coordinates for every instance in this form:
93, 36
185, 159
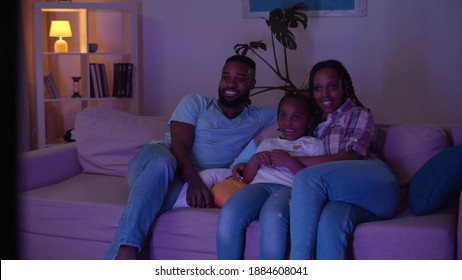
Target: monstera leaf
242, 49
280, 21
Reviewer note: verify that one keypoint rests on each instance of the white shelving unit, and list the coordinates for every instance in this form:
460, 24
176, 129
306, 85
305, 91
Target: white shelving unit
113, 27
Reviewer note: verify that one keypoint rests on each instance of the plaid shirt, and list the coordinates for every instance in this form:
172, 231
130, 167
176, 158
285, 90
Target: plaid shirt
349, 128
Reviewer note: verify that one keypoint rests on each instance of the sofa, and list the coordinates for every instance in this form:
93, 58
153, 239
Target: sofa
72, 195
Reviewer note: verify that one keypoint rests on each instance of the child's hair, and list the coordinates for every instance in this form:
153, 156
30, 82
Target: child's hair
345, 79
306, 101
302, 98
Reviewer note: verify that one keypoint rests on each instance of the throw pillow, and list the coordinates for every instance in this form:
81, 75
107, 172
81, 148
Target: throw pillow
438, 180
245, 154
210, 177
223, 190
106, 139
217, 179
405, 148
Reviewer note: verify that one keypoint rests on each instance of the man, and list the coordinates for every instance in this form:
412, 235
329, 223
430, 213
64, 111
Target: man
205, 133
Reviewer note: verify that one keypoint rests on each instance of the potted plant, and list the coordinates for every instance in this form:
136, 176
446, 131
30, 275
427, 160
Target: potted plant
280, 22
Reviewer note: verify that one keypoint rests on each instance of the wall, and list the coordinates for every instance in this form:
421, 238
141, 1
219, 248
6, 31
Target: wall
404, 56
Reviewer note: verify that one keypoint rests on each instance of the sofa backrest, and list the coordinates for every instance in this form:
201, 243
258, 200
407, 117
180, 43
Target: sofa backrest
406, 147
454, 134
107, 139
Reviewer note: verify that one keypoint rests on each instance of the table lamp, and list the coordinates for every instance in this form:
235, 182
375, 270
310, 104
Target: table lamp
60, 28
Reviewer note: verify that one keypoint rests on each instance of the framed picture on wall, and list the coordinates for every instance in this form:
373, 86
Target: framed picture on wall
316, 8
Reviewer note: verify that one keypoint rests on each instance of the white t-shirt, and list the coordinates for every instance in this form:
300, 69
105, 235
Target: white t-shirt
303, 146
210, 177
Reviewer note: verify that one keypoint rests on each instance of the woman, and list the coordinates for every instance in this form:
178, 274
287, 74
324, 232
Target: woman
348, 185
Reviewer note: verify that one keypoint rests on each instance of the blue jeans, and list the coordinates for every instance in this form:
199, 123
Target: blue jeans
330, 199
150, 175
267, 202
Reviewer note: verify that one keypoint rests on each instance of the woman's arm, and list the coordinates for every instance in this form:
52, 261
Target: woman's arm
281, 158
342, 155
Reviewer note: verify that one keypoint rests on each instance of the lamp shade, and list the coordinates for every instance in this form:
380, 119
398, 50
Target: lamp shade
60, 28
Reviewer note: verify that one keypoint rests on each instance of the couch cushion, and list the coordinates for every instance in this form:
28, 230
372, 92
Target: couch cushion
106, 139
78, 217
408, 237
190, 233
86, 206
405, 148
436, 182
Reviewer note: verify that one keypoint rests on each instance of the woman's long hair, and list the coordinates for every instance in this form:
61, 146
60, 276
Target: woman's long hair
345, 81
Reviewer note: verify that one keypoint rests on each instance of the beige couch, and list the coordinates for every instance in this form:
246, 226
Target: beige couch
71, 197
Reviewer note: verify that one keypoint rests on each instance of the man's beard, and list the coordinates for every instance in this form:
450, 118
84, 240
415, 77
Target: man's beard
238, 101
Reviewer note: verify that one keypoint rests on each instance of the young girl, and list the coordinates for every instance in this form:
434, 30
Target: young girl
348, 185
270, 172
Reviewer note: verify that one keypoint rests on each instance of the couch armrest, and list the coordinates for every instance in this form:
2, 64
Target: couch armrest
459, 229
43, 167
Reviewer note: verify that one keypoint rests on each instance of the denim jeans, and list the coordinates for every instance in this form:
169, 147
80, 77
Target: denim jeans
267, 202
330, 199
150, 175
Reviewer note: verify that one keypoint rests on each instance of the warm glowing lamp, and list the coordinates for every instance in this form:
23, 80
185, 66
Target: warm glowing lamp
60, 28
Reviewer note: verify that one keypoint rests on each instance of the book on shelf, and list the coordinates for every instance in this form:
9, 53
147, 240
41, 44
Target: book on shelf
123, 80
98, 80
99, 86
117, 80
51, 86
104, 83
129, 80
94, 90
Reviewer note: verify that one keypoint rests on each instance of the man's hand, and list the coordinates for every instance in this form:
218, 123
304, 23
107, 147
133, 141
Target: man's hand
198, 195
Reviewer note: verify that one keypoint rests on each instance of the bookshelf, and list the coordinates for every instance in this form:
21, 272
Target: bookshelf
113, 28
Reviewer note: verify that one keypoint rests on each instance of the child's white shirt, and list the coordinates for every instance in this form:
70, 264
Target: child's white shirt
303, 146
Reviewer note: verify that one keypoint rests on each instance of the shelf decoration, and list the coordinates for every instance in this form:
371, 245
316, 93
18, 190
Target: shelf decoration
60, 29
51, 86
76, 87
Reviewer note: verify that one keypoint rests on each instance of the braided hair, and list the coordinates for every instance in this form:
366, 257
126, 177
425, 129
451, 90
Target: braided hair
345, 79
345, 82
